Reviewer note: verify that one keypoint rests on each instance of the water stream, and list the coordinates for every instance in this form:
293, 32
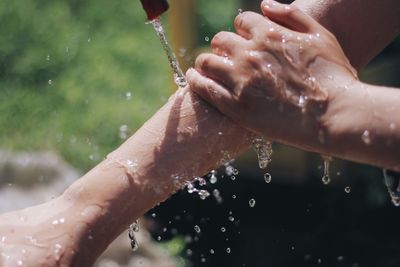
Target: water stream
262, 147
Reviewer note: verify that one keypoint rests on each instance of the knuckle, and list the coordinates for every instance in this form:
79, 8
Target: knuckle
202, 62
238, 22
218, 39
253, 60
290, 10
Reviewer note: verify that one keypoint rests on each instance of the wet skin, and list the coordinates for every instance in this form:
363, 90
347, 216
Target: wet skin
180, 141
285, 76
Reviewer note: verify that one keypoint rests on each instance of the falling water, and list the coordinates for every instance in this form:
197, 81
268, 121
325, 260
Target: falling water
180, 78
264, 151
326, 179
392, 182
133, 228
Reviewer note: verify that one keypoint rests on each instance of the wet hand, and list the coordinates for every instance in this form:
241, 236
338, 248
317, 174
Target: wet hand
276, 75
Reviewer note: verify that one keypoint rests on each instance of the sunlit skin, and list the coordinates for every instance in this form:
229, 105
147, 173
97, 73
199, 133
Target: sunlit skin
285, 76
180, 141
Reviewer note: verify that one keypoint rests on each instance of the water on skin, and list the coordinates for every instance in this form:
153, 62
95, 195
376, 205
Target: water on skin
133, 228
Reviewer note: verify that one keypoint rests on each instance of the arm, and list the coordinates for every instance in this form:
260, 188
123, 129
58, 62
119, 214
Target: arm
286, 76
181, 141
363, 28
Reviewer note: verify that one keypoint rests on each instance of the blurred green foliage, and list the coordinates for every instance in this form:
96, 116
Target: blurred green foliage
67, 68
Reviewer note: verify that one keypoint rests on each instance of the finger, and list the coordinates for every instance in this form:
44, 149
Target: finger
246, 22
211, 91
288, 16
225, 43
216, 67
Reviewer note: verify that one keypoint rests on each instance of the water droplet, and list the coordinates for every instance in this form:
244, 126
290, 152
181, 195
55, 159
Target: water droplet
159, 238
223, 229
182, 51
123, 132
264, 151
233, 177
366, 137
340, 258
234, 196
240, 11
267, 178
302, 101
212, 251
48, 57
231, 218
189, 252
347, 189
326, 179
217, 196
391, 183
197, 229
153, 215
213, 177
128, 95
207, 39
252, 202
133, 228
228, 250
50, 82
229, 170
203, 194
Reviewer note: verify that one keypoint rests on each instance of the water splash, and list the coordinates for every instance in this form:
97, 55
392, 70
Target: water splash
392, 182
133, 228
180, 78
264, 152
191, 187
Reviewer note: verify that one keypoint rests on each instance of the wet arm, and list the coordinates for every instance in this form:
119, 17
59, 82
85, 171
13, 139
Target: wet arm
362, 27
185, 139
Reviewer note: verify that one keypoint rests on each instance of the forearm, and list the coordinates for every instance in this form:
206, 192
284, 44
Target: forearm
185, 139
362, 27
363, 125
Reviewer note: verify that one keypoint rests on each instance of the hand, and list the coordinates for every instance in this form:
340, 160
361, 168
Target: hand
276, 76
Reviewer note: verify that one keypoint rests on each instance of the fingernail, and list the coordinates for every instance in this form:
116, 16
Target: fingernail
268, 4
